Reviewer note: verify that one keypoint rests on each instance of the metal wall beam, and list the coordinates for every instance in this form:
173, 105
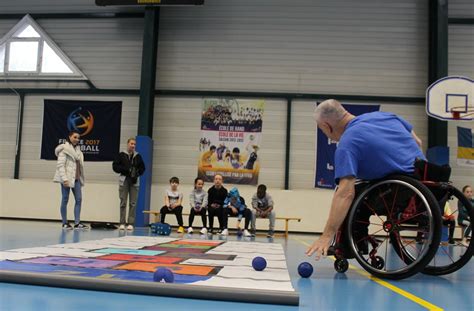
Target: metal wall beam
148, 76
438, 64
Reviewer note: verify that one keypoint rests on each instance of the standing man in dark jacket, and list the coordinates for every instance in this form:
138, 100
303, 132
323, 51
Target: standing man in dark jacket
129, 164
215, 206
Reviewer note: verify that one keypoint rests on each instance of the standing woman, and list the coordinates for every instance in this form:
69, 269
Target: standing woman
70, 174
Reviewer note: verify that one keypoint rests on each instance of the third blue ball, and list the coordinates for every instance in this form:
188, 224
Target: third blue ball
305, 269
163, 275
259, 263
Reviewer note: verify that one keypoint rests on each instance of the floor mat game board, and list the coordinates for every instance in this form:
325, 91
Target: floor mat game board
201, 267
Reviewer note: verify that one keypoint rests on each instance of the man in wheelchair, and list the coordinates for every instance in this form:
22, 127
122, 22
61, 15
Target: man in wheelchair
371, 146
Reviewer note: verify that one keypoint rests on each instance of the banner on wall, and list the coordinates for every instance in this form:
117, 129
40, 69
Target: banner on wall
97, 122
465, 147
231, 133
326, 148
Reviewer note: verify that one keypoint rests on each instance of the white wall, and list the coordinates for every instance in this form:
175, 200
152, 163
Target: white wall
8, 132
29, 198
332, 47
337, 47
176, 133
342, 47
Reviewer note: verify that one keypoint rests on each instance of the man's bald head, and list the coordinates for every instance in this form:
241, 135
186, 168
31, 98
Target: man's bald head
330, 111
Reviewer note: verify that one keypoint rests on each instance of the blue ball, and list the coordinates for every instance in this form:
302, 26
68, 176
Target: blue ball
305, 269
163, 275
259, 263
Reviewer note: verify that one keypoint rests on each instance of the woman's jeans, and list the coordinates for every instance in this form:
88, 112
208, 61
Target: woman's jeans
77, 191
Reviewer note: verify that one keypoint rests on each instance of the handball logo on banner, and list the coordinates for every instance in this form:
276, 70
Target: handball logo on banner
80, 122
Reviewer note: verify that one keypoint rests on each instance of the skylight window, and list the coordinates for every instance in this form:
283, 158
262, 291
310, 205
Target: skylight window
26, 51
28, 32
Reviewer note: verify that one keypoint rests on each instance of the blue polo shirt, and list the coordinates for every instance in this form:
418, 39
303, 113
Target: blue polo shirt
375, 145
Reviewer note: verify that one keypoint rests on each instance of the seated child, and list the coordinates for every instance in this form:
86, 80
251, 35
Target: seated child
198, 202
262, 204
173, 201
234, 205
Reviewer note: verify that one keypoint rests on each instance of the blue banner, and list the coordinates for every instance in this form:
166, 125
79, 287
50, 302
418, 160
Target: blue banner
326, 149
465, 147
97, 122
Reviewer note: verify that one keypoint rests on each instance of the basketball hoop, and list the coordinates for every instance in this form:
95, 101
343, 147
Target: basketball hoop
451, 98
465, 111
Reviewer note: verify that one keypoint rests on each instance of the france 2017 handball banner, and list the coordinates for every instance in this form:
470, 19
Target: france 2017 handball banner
326, 149
231, 132
97, 122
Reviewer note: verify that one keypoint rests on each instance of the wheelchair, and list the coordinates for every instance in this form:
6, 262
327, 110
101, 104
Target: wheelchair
394, 226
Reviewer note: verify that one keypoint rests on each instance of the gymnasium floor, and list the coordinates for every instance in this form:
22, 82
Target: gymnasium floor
325, 290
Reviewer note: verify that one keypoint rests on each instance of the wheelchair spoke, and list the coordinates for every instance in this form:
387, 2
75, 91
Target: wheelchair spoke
410, 243
443, 248
368, 236
386, 248
397, 236
384, 202
368, 223
373, 211
411, 217
394, 200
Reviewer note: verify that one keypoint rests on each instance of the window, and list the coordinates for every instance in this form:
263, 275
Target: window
27, 52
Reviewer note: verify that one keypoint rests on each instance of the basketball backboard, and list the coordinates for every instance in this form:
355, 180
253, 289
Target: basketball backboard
451, 98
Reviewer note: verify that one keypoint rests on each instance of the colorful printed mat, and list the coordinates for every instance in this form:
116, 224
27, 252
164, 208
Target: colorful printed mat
196, 262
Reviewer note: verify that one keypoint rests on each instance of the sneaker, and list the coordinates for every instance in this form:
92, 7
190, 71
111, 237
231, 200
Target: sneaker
247, 233
122, 227
225, 232
180, 229
190, 230
270, 234
203, 230
80, 226
129, 227
67, 226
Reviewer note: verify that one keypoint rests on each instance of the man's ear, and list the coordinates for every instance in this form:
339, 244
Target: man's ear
327, 127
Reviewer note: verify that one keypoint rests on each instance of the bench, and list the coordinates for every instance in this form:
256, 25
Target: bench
156, 214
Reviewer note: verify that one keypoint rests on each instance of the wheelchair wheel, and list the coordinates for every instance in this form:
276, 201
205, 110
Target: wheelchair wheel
341, 265
384, 221
451, 258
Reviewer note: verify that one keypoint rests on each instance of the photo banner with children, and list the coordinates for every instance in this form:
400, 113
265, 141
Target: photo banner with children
97, 122
231, 133
326, 149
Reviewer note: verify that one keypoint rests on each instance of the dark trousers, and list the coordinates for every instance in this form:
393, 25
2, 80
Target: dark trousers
178, 211
212, 212
228, 212
452, 225
202, 212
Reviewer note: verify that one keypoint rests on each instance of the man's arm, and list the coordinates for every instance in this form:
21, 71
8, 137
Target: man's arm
417, 139
341, 202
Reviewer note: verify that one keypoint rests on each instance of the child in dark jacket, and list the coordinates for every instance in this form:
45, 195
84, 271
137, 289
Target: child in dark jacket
234, 205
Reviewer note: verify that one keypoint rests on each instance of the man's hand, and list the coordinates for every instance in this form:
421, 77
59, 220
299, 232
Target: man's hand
234, 210
214, 205
66, 183
320, 247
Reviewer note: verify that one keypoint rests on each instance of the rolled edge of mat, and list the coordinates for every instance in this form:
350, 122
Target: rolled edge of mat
154, 288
